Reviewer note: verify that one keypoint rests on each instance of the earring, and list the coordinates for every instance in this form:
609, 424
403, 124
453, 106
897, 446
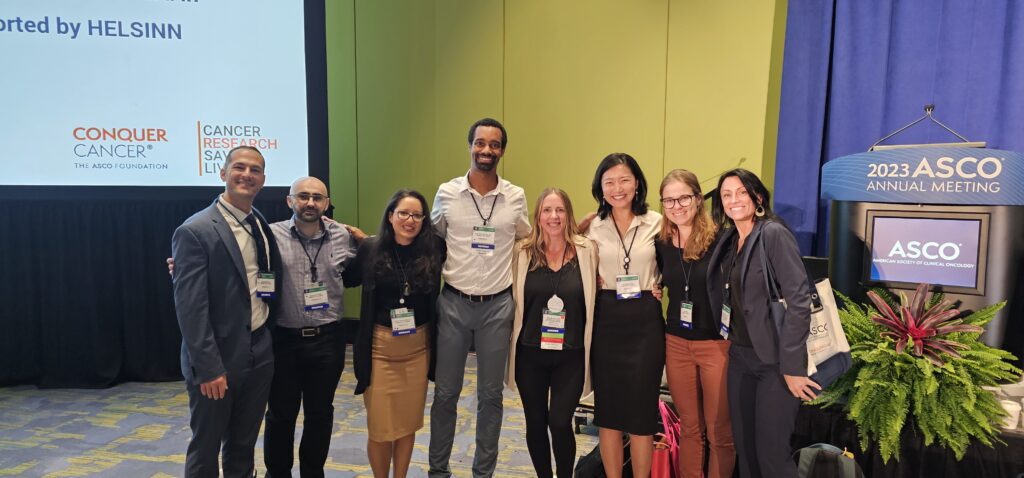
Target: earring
759, 212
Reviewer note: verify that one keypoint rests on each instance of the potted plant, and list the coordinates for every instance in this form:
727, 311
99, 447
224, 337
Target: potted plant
920, 357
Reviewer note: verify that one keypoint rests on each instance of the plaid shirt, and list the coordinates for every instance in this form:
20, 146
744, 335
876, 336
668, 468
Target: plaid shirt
339, 248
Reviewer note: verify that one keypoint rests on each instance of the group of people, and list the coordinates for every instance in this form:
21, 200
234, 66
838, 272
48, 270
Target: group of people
555, 311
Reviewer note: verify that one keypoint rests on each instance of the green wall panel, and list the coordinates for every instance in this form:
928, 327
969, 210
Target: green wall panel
675, 83
720, 86
341, 108
582, 80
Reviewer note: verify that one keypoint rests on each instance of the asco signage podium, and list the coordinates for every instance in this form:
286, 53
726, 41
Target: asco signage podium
979, 176
948, 216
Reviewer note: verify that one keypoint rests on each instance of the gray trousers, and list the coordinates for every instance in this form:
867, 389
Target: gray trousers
488, 327
230, 426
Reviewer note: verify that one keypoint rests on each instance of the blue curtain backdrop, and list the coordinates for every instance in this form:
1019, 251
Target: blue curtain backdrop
855, 70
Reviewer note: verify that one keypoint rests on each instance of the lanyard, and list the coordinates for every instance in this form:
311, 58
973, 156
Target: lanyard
477, 206
240, 223
682, 265
405, 280
558, 273
262, 257
312, 260
728, 277
625, 260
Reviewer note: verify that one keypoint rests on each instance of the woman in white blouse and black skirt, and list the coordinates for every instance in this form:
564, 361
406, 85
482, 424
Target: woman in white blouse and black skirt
628, 347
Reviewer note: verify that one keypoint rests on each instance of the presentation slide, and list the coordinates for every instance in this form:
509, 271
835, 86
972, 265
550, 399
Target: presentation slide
150, 92
934, 251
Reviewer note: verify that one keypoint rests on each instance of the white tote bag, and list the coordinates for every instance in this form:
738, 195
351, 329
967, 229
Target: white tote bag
826, 338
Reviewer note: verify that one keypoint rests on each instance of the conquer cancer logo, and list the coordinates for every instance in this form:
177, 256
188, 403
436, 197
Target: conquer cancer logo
93, 142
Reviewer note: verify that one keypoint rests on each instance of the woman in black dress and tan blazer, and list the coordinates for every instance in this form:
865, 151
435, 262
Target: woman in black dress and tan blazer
555, 268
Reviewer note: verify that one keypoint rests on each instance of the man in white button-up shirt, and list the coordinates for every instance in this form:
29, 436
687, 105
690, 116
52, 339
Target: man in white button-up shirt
480, 217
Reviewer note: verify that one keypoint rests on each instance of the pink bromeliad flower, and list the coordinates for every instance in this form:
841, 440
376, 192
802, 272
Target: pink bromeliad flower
920, 328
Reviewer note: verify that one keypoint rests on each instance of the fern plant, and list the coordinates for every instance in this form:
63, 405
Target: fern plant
898, 372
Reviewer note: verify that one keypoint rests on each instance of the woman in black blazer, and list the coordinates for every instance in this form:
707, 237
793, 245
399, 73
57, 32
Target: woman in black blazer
767, 375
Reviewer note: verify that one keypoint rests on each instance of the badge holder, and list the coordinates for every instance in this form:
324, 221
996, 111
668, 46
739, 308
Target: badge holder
627, 287
314, 297
403, 322
552, 330
483, 240
265, 285
725, 327
686, 314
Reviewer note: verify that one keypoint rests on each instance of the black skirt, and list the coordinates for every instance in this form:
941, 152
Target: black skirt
627, 356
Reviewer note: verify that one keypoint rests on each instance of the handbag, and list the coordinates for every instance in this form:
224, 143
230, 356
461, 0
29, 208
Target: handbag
828, 351
665, 461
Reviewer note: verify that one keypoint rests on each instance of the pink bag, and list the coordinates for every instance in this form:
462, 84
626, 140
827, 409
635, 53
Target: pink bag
665, 463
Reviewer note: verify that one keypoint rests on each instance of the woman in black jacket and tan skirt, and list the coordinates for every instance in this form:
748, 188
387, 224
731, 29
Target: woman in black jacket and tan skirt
400, 270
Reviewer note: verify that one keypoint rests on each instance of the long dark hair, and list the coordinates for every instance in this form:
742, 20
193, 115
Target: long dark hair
425, 272
639, 204
755, 189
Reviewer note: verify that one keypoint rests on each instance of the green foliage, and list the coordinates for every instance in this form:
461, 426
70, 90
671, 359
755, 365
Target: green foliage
886, 390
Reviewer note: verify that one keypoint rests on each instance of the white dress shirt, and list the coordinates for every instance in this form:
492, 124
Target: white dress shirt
642, 255
247, 245
454, 215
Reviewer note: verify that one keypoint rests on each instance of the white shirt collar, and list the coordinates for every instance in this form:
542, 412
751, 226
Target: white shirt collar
240, 214
463, 183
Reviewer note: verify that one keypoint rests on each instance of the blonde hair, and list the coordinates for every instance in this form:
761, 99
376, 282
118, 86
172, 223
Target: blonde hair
534, 245
704, 229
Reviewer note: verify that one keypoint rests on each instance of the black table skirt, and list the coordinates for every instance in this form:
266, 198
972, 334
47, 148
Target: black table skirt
830, 425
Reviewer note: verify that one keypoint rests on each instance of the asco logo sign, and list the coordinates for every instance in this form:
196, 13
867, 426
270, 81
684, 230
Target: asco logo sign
947, 175
929, 250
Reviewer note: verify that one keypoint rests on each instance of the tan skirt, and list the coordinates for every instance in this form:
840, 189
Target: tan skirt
397, 394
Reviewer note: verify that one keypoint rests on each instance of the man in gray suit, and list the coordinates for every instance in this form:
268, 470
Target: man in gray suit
225, 261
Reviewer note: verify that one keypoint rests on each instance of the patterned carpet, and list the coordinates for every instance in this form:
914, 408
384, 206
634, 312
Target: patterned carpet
141, 430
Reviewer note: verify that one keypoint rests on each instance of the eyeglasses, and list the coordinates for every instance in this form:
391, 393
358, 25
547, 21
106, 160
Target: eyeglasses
305, 197
684, 201
403, 215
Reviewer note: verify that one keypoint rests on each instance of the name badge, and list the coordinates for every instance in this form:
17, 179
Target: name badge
627, 287
265, 285
315, 297
403, 322
686, 315
552, 330
726, 316
483, 240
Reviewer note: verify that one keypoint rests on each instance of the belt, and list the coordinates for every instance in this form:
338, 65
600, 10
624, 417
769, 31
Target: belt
476, 298
308, 331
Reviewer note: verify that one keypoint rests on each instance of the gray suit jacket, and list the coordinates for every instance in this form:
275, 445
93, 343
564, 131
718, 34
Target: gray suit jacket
788, 349
211, 296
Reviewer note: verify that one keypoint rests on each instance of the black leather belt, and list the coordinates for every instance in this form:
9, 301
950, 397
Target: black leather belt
476, 298
308, 331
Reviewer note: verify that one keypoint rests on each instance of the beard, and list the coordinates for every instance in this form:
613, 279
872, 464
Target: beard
486, 167
309, 215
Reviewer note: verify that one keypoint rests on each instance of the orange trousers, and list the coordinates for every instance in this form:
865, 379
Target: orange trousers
696, 372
